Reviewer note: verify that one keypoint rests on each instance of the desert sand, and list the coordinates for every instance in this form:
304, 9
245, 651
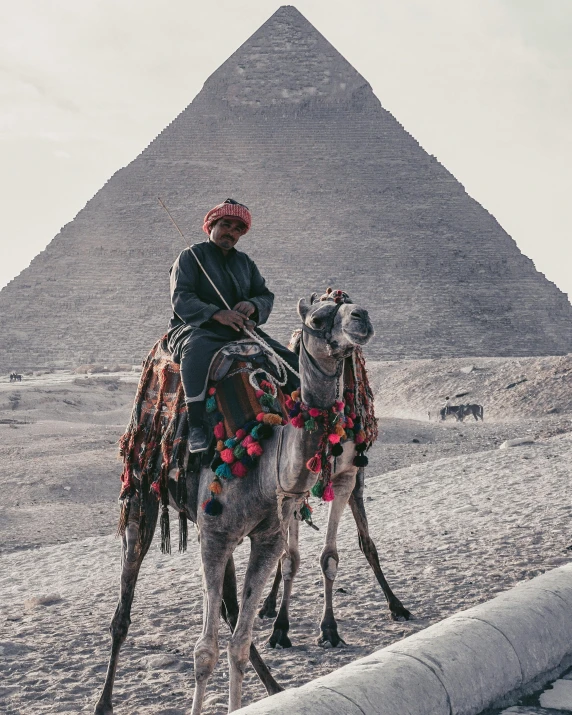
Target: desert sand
455, 517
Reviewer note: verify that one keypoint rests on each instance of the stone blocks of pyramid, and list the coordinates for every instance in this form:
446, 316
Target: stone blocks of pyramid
341, 195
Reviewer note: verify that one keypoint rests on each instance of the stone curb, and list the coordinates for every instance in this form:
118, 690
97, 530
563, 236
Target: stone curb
484, 657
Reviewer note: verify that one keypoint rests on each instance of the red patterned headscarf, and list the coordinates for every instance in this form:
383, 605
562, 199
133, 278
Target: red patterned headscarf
230, 207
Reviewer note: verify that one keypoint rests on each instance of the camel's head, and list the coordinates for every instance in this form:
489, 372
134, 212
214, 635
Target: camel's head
334, 324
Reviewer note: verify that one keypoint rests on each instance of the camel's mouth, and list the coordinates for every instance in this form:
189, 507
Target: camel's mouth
359, 329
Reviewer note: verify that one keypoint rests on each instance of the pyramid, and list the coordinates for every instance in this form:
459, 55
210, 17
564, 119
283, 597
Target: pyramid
341, 195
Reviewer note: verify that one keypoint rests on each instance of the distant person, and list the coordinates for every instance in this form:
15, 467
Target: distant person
201, 324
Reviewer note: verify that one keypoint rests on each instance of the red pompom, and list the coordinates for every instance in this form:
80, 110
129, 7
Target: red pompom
298, 421
260, 416
353, 415
349, 422
239, 469
334, 438
350, 397
219, 430
247, 440
289, 402
259, 393
328, 494
314, 412
359, 438
156, 487
212, 391
265, 383
240, 434
314, 464
227, 455
254, 449
338, 406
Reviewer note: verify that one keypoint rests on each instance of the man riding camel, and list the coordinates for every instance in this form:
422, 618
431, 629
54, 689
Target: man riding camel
202, 324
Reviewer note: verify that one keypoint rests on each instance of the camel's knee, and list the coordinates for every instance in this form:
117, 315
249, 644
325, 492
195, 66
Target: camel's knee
329, 564
290, 565
120, 624
206, 656
238, 654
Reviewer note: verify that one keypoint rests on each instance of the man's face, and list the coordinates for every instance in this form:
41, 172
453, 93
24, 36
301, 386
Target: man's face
226, 232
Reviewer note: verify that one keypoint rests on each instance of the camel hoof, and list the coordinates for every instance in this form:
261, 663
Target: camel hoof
103, 709
330, 638
279, 638
268, 610
400, 613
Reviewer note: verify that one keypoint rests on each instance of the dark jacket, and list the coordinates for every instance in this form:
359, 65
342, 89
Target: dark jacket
195, 301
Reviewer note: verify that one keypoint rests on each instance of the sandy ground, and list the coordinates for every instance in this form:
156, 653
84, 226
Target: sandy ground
455, 518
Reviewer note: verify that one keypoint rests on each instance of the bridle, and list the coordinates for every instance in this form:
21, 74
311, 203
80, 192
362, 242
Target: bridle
325, 333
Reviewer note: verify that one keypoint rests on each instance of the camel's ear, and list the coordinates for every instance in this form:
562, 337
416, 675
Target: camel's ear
313, 298
303, 308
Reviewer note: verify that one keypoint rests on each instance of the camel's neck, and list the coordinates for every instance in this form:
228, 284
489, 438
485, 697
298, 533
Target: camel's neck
319, 382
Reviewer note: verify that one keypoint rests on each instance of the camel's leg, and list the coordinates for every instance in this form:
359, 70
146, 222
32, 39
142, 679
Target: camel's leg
290, 563
264, 553
215, 553
343, 485
134, 551
268, 609
397, 609
229, 612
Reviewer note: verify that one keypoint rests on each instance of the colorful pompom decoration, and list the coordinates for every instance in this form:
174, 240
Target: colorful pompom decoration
212, 507
328, 494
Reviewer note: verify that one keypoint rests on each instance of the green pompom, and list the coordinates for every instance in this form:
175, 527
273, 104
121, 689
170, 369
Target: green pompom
267, 400
318, 489
239, 451
210, 404
305, 513
310, 425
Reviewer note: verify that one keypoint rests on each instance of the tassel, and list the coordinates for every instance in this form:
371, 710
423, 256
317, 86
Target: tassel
215, 487
218, 430
239, 469
328, 494
310, 425
305, 512
223, 471
181, 487
165, 531
265, 430
182, 531
318, 489
212, 507
337, 450
123, 516
272, 419
227, 456
254, 449
360, 460
314, 464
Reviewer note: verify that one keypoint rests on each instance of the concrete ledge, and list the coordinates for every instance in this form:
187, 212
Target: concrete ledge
477, 659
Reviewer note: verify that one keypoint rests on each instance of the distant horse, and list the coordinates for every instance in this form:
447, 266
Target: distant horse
475, 410
457, 410
14, 377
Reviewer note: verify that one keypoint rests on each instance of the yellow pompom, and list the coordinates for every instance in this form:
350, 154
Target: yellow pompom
295, 395
340, 430
219, 445
272, 419
215, 487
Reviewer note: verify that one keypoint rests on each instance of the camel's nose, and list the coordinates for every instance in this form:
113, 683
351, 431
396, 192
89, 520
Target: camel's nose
359, 313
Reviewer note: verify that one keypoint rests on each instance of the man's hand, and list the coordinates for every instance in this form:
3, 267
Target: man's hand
245, 307
232, 318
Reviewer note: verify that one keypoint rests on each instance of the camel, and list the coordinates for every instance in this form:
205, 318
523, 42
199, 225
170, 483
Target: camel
348, 483
260, 506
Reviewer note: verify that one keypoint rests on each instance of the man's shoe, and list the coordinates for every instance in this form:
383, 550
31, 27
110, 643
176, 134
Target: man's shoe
198, 441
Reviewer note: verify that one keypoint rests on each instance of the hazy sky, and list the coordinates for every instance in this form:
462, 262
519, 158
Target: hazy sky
485, 85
